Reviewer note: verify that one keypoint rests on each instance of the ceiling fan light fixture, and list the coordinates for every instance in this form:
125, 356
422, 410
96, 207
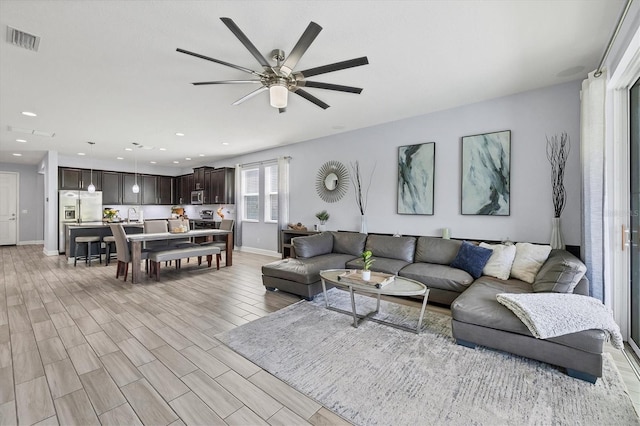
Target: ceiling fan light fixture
278, 94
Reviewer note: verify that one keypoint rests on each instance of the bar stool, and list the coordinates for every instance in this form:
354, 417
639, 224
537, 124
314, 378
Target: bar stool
109, 241
87, 239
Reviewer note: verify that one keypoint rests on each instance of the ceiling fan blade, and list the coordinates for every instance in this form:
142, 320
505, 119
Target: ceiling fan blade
245, 41
202, 83
250, 95
301, 46
217, 61
311, 98
335, 67
330, 86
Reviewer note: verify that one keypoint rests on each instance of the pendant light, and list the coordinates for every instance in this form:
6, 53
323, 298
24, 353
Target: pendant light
135, 188
91, 188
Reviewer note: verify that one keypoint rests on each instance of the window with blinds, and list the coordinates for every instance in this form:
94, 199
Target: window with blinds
271, 193
251, 194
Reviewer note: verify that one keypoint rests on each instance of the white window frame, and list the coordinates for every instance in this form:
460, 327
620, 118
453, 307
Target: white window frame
246, 194
268, 192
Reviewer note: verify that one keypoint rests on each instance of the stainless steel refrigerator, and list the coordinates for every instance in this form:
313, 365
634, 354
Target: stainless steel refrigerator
77, 207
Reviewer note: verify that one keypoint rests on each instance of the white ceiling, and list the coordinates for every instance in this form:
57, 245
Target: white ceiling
108, 71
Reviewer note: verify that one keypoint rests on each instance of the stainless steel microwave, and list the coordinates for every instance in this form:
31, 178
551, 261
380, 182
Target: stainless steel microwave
197, 197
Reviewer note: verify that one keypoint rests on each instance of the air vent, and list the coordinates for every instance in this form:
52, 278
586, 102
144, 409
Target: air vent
30, 131
22, 39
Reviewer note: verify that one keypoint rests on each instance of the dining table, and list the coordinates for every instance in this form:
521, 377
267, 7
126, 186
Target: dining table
137, 240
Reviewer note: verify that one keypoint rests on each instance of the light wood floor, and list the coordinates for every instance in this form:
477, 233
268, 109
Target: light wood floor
78, 346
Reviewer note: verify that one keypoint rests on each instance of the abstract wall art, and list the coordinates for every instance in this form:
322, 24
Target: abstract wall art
486, 175
416, 165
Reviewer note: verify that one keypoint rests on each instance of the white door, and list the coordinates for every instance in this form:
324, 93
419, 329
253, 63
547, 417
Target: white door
8, 208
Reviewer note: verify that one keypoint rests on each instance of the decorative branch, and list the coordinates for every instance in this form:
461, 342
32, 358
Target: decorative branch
361, 198
557, 154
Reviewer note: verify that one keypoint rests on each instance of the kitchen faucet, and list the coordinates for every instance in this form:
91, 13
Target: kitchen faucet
135, 213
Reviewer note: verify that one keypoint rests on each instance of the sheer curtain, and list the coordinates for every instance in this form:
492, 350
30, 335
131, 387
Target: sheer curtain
239, 207
283, 196
592, 136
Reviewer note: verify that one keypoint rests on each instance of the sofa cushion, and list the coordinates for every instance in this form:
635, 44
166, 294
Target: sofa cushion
349, 242
560, 273
436, 250
305, 271
528, 261
401, 248
313, 245
478, 305
438, 276
381, 264
499, 264
471, 258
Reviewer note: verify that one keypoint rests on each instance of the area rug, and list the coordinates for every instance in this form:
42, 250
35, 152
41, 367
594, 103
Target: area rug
378, 375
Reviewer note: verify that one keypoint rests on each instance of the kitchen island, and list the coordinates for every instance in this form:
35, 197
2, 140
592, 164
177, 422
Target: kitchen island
100, 229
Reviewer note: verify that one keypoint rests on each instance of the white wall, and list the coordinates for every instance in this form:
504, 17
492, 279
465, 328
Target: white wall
530, 116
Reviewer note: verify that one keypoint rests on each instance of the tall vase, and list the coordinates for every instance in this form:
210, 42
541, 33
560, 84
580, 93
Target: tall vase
363, 224
556, 234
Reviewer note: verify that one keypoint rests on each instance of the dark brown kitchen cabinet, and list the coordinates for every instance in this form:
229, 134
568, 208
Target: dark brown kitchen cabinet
72, 178
223, 186
128, 196
148, 189
164, 189
112, 188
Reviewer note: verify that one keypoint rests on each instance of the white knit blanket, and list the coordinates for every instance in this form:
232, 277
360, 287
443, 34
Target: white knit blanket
555, 314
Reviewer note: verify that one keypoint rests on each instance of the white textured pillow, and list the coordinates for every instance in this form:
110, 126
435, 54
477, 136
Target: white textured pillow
499, 264
528, 261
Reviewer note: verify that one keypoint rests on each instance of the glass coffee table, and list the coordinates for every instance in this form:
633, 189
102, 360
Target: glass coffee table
399, 287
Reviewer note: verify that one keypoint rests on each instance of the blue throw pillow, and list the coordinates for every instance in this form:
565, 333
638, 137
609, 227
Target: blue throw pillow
471, 259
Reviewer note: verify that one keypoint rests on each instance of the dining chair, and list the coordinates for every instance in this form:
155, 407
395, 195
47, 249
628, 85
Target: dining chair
225, 225
123, 251
155, 227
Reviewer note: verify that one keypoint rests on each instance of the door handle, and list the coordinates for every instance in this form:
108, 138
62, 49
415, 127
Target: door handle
12, 218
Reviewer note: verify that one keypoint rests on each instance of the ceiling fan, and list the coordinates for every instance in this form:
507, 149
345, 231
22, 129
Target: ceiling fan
281, 79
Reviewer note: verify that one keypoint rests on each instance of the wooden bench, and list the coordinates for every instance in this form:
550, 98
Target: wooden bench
156, 257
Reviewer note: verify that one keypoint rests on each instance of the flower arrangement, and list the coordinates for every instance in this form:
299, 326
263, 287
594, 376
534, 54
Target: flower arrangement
557, 153
356, 179
323, 217
110, 214
367, 259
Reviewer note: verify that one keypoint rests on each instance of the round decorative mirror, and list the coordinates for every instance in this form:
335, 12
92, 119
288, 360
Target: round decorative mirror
332, 181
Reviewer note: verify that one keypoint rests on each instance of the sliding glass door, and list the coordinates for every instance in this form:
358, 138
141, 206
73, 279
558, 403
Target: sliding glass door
634, 222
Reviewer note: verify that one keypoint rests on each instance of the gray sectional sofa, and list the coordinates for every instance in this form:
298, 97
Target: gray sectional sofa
477, 317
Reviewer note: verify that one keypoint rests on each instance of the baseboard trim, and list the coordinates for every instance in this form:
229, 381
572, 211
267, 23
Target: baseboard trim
260, 251
50, 252
30, 243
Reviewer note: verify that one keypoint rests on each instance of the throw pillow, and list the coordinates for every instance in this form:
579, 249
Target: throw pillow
528, 261
471, 258
561, 273
499, 264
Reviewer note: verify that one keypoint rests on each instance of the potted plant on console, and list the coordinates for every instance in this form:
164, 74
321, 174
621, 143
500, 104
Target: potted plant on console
323, 217
367, 260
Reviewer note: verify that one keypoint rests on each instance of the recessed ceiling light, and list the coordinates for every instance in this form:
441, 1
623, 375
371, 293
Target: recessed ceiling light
188, 158
225, 143
119, 158
15, 154
152, 162
29, 114
81, 153
128, 149
176, 162
201, 155
179, 134
21, 140
163, 149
